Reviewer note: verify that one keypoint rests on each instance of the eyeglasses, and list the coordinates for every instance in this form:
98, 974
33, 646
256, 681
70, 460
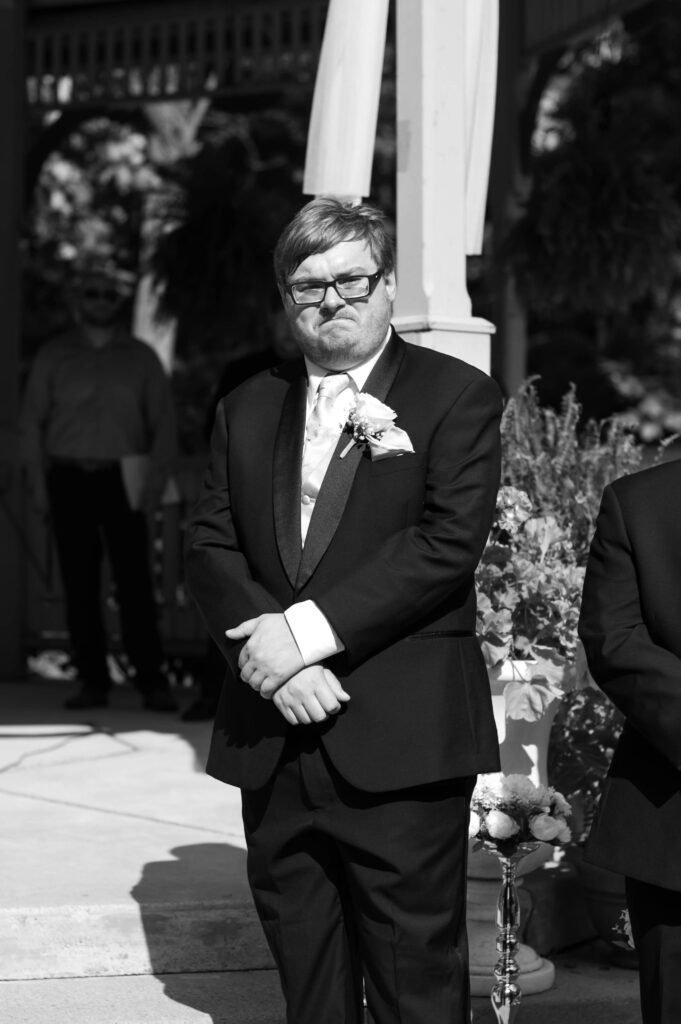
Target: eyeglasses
311, 293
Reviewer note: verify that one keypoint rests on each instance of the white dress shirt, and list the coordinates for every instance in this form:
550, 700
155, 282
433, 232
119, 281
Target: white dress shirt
312, 631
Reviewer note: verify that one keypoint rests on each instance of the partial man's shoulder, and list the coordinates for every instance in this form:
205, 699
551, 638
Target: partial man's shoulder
448, 371
273, 378
659, 482
266, 384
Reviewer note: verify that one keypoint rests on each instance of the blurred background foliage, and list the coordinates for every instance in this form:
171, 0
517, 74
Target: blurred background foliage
203, 224
595, 247
212, 260
87, 206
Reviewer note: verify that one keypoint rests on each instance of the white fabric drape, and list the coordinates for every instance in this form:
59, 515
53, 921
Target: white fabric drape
340, 144
342, 129
482, 40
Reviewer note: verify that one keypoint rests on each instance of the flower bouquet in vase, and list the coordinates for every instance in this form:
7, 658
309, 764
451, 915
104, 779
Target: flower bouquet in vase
529, 581
510, 816
529, 588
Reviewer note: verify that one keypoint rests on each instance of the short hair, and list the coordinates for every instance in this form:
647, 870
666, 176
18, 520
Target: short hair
323, 223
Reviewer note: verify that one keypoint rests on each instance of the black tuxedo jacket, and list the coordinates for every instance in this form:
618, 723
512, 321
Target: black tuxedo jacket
631, 627
389, 559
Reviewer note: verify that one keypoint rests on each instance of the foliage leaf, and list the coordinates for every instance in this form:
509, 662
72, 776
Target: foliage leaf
529, 700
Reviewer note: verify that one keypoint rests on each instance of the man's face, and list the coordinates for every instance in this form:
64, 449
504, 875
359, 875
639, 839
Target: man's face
98, 301
338, 334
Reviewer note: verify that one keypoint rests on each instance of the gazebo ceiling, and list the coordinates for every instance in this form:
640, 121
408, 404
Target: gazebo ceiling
95, 52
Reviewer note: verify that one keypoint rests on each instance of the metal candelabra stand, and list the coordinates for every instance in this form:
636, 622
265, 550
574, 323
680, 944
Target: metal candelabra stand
506, 995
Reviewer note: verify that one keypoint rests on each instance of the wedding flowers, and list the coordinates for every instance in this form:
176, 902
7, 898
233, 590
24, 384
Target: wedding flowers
508, 810
513, 509
529, 581
529, 591
371, 423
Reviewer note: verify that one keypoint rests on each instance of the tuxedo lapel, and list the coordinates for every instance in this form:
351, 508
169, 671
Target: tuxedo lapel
335, 489
288, 454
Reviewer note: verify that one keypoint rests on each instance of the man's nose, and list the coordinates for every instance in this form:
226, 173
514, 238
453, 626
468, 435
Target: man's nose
332, 300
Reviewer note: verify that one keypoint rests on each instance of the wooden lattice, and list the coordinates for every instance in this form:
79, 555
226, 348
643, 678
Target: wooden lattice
167, 51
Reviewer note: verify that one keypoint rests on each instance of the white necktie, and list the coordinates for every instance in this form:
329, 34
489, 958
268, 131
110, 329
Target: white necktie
321, 435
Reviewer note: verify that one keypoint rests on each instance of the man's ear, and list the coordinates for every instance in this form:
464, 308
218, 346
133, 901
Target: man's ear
391, 285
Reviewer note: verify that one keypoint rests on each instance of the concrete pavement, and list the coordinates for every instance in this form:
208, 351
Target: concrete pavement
123, 895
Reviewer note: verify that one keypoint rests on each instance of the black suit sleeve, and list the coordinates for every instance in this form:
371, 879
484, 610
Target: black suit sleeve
642, 678
414, 572
216, 570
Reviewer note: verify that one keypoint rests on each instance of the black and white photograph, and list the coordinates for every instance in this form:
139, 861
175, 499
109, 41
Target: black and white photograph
340, 512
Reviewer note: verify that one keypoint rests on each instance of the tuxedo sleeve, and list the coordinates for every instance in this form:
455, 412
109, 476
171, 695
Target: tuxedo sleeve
642, 678
417, 569
216, 570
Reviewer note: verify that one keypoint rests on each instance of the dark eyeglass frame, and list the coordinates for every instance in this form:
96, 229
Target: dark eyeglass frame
371, 279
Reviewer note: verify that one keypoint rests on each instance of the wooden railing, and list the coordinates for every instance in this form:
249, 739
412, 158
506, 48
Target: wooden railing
169, 51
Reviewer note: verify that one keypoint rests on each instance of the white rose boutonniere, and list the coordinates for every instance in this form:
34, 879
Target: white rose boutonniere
371, 423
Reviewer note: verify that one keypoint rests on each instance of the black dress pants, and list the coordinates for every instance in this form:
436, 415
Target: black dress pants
655, 916
90, 512
353, 886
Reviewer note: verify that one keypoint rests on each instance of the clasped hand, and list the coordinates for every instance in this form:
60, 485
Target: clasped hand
312, 695
270, 655
271, 664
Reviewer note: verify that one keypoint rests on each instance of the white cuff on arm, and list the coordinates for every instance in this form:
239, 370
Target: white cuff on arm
313, 633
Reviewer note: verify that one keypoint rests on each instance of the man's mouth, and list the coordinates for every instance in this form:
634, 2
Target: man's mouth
335, 320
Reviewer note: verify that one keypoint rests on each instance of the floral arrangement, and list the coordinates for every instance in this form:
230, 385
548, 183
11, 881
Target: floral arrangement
563, 463
529, 580
529, 590
90, 198
509, 810
372, 423
584, 735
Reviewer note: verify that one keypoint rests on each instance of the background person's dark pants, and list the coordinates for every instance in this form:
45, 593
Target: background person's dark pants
317, 847
89, 512
655, 916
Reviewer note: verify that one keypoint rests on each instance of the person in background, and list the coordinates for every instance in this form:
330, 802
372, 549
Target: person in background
630, 624
99, 440
335, 569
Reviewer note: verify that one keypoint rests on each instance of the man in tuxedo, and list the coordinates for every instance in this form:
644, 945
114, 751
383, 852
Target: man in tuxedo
334, 568
631, 627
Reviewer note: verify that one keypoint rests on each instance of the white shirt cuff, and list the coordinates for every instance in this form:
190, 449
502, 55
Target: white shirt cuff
313, 633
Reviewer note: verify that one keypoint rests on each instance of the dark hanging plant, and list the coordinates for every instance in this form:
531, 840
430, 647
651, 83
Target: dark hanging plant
214, 262
601, 226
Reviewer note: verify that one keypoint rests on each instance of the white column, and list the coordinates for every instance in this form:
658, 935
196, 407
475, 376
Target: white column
433, 133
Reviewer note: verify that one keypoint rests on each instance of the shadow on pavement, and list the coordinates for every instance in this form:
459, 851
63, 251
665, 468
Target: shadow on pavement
37, 704
191, 939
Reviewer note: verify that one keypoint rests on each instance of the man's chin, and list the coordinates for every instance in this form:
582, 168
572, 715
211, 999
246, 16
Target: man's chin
337, 329
338, 348
335, 357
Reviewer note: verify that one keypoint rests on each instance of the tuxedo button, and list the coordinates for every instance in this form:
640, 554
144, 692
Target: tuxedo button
306, 499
